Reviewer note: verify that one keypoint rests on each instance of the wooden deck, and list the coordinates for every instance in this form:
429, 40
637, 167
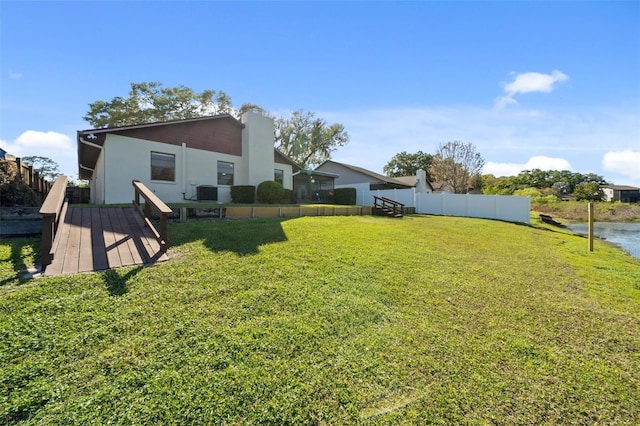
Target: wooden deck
95, 239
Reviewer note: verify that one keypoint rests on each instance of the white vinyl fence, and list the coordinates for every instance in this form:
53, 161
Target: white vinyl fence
501, 207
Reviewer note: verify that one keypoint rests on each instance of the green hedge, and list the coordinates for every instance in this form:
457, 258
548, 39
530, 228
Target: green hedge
243, 194
345, 196
288, 197
270, 192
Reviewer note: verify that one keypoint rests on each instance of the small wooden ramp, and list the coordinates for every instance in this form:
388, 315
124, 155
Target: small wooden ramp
95, 239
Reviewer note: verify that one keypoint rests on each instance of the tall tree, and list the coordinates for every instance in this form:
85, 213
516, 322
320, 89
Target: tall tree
457, 164
307, 139
588, 191
150, 102
303, 137
45, 166
405, 164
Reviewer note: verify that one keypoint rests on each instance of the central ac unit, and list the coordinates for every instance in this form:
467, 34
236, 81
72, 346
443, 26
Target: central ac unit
207, 193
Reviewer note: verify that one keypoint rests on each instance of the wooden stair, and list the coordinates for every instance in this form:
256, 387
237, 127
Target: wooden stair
383, 206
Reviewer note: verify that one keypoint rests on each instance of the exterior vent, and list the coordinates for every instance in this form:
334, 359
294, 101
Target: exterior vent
207, 193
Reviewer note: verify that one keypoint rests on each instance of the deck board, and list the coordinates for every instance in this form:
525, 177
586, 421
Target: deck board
70, 263
100, 261
95, 239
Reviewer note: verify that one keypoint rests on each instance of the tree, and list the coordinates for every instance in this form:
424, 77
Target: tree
457, 164
46, 167
492, 185
150, 103
308, 140
303, 137
405, 164
588, 191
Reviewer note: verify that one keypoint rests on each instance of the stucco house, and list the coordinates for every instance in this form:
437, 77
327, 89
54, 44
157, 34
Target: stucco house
626, 194
348, 175
192, 159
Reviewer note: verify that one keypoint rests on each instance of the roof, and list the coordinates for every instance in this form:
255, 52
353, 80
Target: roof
377, 176
439, 186
316, 172
621, 187
407, 180
115, 129
90, 141
284, 159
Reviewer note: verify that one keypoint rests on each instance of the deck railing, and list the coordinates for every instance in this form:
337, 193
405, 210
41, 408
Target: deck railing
152, 203
389, 207
52, 211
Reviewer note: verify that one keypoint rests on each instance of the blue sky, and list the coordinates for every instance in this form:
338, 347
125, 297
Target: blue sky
549, 85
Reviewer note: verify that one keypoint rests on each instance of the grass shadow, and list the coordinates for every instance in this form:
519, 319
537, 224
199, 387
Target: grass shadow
115, 283
20, 250
243, 237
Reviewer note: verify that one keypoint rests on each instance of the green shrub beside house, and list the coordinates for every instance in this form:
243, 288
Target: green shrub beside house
243, 194
345, 196
270, 192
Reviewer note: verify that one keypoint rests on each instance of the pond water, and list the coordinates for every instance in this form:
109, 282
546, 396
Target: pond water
626, 235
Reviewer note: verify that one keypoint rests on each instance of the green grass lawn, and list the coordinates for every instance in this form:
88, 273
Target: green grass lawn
330, 320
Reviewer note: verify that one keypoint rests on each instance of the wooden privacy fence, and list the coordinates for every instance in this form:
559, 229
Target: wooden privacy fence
152, 204
33, 179
52, 211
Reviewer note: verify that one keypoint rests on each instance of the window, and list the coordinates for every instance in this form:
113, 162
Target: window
225, 173
163, 166
278, 176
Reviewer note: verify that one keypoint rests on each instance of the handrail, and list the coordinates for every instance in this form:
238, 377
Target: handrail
53, 209
398, 208
152, 202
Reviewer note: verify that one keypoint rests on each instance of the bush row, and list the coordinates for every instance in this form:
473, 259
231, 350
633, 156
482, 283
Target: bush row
268, 192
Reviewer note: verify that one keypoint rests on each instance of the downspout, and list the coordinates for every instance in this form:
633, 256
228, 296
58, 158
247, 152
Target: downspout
184, 170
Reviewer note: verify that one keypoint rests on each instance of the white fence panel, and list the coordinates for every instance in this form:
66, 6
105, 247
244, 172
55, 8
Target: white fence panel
404, 196
481, 205
362, 193
514, 209
502, 207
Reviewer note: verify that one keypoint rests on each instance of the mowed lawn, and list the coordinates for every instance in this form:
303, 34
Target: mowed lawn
330, 320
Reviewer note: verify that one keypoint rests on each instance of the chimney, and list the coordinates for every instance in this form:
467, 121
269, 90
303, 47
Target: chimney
257, 148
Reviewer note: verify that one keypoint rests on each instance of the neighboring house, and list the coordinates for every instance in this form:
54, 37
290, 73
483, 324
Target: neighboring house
193, 159
441, 187
626, 194
351, 175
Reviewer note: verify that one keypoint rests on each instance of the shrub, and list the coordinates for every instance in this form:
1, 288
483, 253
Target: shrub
13, 190
270, 192
288, 197
244, 194
345, 196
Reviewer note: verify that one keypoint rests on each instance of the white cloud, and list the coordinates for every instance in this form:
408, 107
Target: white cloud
625, 163
15, 75
536, 162
510, 140
56, 146
529, 82
44, 140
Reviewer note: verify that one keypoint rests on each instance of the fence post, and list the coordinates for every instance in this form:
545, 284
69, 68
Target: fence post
590, 216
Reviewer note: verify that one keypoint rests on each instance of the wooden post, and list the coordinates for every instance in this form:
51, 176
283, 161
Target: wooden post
590, 236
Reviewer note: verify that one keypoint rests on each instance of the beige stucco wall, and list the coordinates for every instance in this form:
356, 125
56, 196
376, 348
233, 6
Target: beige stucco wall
97, 182
257, 148
346, 176
124, 159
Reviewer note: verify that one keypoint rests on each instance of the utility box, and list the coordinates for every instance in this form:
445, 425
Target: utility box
207, 193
